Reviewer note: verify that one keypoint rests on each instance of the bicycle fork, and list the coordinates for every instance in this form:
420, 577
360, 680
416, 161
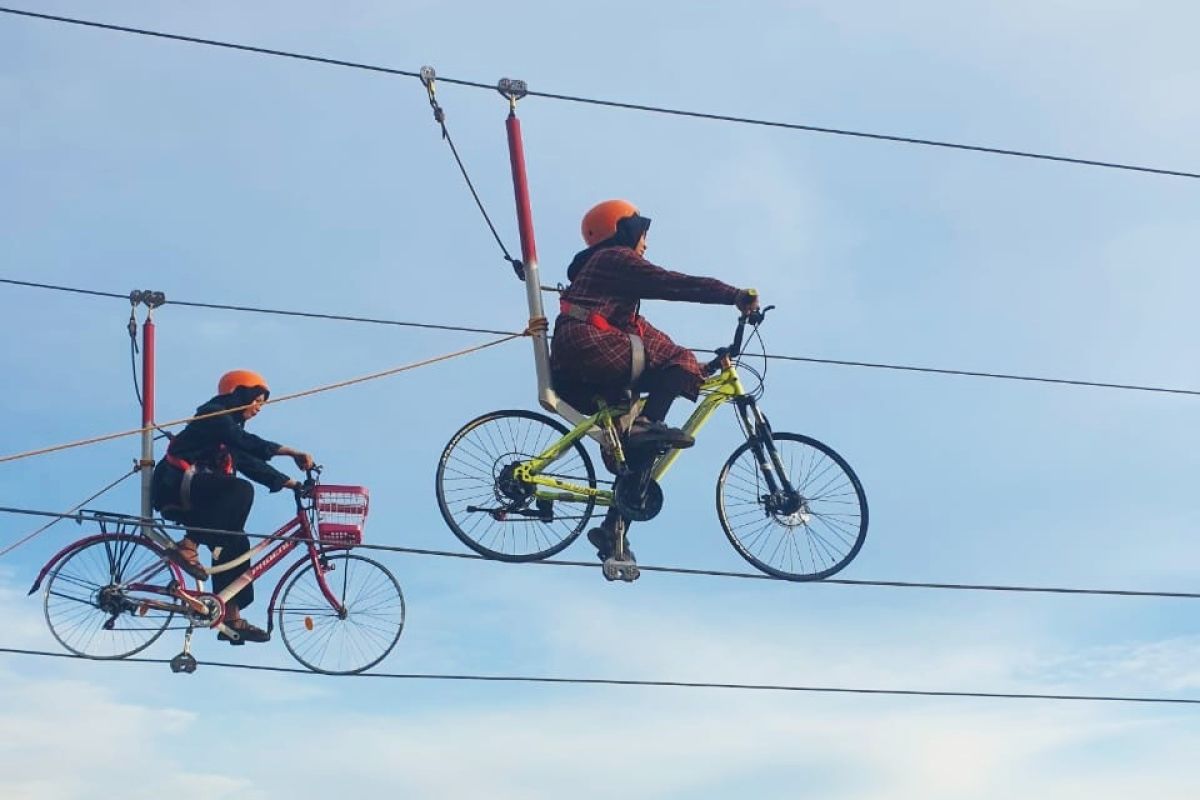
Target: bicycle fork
782, 496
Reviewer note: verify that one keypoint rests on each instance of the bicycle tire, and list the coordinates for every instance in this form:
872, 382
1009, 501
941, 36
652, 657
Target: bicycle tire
838, 508
474, 460
83, 593
374, 610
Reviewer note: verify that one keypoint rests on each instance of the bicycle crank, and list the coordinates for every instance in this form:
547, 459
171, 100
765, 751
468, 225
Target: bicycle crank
638, 497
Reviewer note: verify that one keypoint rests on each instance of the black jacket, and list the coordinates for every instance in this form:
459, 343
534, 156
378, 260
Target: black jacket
207, 443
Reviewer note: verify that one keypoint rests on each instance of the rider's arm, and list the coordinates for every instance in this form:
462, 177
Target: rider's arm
224, 430
261, 472
626, 274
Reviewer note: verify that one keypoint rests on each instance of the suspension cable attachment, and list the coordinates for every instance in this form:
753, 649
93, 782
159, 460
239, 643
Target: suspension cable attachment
146, 297
429, 81
513, 90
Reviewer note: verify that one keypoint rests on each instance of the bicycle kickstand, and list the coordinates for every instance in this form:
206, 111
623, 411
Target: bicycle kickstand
185, 661
620, 566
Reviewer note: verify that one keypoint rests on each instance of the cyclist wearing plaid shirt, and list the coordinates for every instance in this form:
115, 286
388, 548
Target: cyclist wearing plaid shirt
603, 346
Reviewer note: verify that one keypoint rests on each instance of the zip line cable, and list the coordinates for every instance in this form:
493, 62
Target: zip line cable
799, 359
29, 537
658, 684
79, 518
616, 103
307, 392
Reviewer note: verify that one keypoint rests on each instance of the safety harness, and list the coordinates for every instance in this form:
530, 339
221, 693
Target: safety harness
224, 460
637, 348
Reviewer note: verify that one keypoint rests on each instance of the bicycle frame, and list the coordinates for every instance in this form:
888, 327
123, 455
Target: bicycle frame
715, 392
296, 531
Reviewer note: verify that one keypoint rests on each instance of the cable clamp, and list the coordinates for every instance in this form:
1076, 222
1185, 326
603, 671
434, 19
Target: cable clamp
513, 90
429, 81
150, 299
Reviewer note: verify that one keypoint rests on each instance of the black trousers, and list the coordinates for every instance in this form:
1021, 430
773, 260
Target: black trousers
662, 386
223, 502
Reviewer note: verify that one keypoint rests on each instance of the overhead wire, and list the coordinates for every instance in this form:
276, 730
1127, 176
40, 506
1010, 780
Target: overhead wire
628, 106
295, 395
1006, 376
631, 682
109, 518
66, 515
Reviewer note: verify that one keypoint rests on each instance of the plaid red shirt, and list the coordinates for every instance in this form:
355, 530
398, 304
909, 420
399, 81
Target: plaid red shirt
587, 361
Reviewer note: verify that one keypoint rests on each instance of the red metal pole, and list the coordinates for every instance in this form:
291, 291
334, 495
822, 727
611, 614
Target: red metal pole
533, 287
516, 156
146, 463
148, 372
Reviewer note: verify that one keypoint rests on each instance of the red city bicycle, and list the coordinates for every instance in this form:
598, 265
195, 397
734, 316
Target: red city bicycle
113, 594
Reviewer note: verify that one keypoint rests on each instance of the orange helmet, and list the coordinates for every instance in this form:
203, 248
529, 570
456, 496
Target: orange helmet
238, 378
600, 223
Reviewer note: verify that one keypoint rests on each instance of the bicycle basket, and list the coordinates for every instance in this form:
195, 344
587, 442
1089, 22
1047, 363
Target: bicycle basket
341, 514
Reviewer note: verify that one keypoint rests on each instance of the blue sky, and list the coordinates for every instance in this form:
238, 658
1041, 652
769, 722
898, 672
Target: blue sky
226, 177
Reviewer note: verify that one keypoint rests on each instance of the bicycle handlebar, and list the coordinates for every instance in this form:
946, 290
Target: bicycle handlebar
755, 318
311, 478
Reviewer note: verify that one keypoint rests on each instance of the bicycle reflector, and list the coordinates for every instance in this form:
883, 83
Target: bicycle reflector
341, 514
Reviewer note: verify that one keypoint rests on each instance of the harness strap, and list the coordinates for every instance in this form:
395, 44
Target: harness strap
637, 348
185, 483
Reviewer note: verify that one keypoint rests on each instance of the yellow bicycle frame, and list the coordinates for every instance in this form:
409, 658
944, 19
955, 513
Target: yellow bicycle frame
715, 392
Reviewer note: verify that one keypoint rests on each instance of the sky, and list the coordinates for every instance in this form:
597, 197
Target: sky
217, 176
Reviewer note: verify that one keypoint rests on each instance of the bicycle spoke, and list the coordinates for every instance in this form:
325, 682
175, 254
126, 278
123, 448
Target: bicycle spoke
826, 523
326, 641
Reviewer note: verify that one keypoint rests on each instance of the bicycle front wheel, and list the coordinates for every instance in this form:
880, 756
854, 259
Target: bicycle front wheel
498, 516
100, 601
805, 537
346, 640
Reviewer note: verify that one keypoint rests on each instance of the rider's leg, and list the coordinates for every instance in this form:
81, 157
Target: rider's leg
222, 503
663, 386
604, 538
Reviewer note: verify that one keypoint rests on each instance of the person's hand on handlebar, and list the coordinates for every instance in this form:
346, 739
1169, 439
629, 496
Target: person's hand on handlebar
747, 301
303, 460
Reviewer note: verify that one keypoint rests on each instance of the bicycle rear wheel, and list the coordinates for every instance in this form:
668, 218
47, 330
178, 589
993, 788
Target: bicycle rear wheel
804, 538
92, 602
496, 515
350, 639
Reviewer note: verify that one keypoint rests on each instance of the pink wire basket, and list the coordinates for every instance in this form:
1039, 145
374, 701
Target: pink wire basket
341, 514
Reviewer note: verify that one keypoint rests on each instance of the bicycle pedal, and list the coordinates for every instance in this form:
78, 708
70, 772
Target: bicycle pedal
184, 662
614, 570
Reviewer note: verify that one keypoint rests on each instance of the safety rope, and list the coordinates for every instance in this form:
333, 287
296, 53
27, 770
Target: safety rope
66, 515
306, 393
429, 80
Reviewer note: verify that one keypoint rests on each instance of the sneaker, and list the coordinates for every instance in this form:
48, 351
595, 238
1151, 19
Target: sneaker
603, 540
645, 432
246, 633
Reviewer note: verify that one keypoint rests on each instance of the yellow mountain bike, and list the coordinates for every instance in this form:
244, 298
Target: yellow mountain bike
520, 486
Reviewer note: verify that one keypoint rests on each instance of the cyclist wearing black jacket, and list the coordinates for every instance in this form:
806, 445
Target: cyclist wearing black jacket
196, 485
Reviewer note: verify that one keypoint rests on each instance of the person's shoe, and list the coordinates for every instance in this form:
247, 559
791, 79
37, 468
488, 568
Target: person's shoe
246, 632
187, 557
645, 432
604, 540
